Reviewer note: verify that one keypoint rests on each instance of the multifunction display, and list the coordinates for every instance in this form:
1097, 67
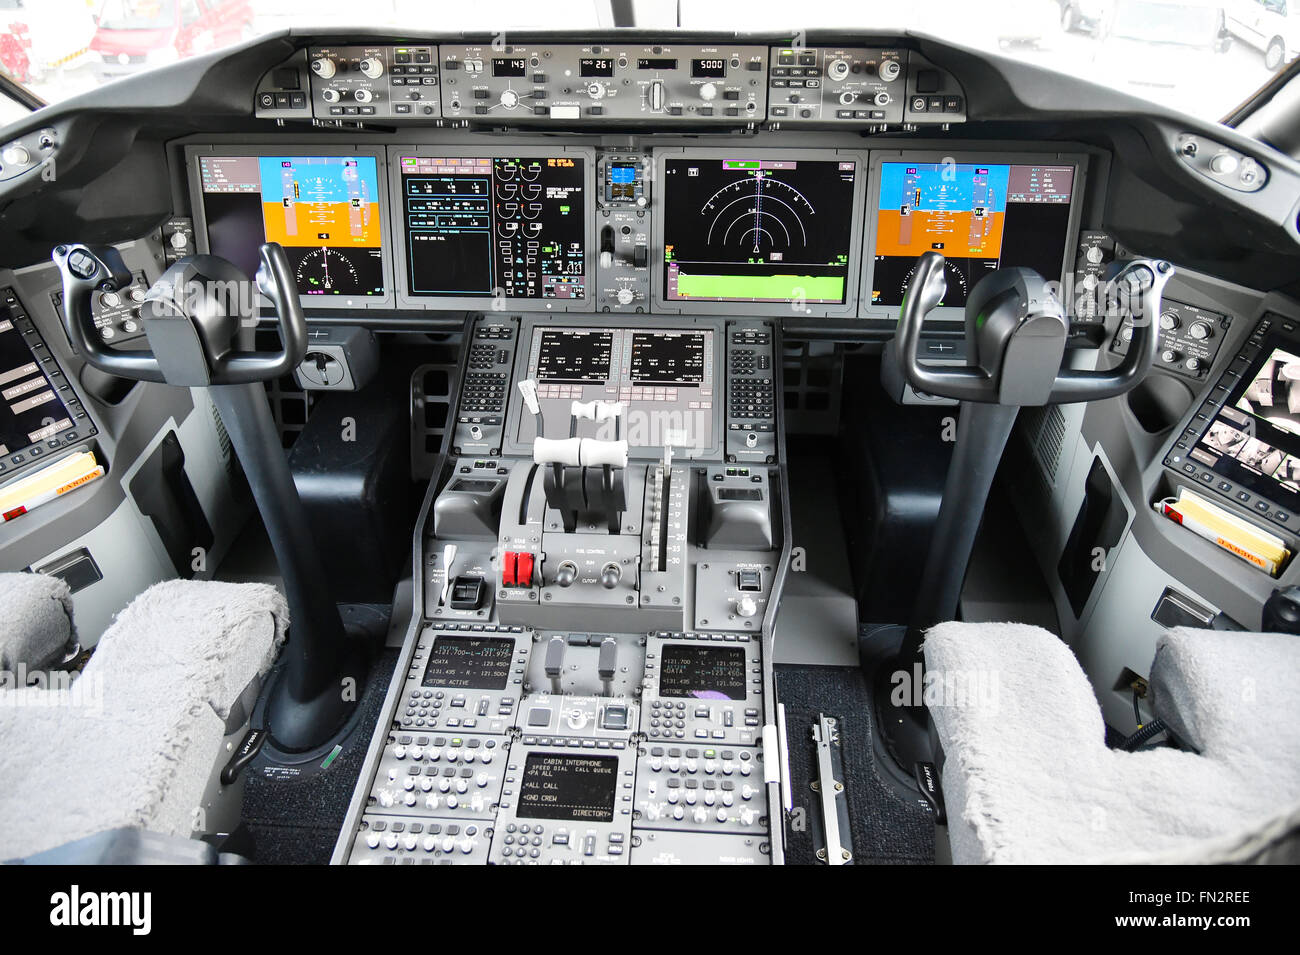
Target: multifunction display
473, 663
324, 210
569, 356
31, 411
702, 673
981, 217
505, 227
568, 786
758, 230
1254, 441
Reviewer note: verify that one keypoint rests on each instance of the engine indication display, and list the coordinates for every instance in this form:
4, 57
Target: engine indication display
472, 663
568, 786
324, 211
980, 216
507, 226
758, 230
702, 672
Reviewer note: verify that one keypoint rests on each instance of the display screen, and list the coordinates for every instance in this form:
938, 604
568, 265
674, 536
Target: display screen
507, 227
709, 69
568, 786
324, 210
511, 67
656, 63
757, 230
472, 663
980, 217
574, 356
702, 673
596, 66
667, 358
1254, 441
31, 411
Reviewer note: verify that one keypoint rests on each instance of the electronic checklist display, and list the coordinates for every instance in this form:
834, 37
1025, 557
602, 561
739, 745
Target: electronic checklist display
980, 213
325, 210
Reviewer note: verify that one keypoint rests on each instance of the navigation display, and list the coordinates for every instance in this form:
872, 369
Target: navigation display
510, 227
979, 216
31, 411
474, 663
324, 210
702, 673
1254, 441
568, 786
757, 230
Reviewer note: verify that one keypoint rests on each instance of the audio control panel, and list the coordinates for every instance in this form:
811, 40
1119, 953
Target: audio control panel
828, 84
1189, 338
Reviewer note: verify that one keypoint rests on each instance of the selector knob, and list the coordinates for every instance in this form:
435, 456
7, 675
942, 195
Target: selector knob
363, 96
1169, 321
745, 606
889, 70
1193, 364
654, 96
708, 92
1094, 254
509, 99
838, 69
882, 99
596, 90
848, 97
110, 299
1169, 356
566, 574
373, 67
610, 575
330, 95
625, 296
323, 67
1200, 331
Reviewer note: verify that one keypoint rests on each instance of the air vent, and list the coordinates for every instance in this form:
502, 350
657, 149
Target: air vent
1044, 432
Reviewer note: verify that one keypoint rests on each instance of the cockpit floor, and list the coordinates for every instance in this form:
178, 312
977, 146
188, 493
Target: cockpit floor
886, 828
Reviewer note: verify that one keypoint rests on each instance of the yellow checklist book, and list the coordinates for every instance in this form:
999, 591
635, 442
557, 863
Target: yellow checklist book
60, 477
1239, 537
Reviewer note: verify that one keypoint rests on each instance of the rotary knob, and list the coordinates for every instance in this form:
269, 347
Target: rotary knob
596, 90
509, 99
625, 296
363, 96
1094, 254
654, 96
708, 92
1169, 321
838, 69
746, 606
848, 97
1200, 331
882, 99
110, 299
889, 70
372, 67
330, 95
323, 67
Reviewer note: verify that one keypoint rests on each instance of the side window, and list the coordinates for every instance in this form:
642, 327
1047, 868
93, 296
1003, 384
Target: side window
190, 11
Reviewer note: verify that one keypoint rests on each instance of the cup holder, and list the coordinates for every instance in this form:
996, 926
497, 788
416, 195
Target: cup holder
1159, 401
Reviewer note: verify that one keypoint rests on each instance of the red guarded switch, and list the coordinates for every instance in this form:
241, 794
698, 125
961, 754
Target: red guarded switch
524, 570
508, 568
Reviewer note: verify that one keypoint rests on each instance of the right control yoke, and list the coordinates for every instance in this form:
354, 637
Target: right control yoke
1015, 332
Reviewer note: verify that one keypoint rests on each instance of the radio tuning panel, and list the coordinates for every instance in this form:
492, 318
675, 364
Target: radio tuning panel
664, 83
829, 84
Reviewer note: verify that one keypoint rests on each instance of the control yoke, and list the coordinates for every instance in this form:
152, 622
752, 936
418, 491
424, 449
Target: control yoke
1015, 333
192, 318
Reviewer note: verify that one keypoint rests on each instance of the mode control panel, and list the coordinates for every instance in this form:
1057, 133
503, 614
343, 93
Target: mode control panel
541, 83
623, 231
360, 82
837, 85
1189, 338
